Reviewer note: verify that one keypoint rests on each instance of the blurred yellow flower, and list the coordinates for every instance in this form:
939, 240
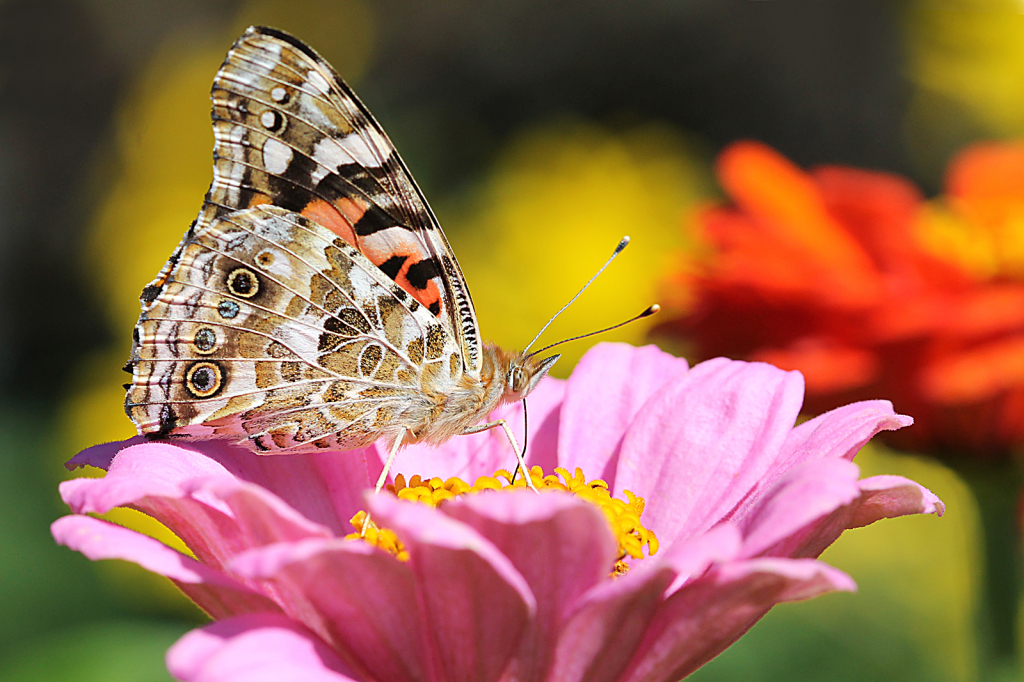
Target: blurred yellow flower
966, 58
553, 207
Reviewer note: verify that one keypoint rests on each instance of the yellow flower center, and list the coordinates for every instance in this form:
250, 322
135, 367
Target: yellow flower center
623, 516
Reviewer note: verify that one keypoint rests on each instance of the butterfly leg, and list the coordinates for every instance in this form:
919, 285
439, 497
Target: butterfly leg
511, 439
384, 474
391, 460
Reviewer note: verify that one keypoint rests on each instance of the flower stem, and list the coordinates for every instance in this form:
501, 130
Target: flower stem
997, 488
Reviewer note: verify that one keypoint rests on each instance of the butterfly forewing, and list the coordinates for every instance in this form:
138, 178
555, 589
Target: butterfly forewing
288, 131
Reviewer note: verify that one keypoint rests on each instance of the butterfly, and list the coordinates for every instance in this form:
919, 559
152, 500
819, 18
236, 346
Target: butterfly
314, 304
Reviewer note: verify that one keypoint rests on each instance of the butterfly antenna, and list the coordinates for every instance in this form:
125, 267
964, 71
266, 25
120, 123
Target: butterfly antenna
646, 313
618, 249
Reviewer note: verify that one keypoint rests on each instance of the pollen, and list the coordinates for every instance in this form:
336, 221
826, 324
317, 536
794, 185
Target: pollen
623, 516
383, 538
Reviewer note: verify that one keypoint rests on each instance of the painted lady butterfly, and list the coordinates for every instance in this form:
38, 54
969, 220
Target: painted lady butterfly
315, 303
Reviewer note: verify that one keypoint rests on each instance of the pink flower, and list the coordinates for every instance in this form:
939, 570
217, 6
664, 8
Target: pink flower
509, 586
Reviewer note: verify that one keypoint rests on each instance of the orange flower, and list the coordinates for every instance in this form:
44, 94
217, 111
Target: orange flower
852, 278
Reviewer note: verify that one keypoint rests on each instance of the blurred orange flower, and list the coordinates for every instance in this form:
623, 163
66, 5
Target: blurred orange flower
853, 278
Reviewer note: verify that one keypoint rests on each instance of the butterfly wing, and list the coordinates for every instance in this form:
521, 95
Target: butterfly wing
361, 306
289, 132
272, 329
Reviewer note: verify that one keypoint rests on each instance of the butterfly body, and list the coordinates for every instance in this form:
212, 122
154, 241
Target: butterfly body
315, 302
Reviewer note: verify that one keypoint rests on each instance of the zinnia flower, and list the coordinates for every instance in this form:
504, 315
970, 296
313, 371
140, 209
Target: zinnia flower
509, 585
852, 278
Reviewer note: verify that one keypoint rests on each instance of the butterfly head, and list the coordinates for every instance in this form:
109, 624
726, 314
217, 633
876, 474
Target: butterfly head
524, 373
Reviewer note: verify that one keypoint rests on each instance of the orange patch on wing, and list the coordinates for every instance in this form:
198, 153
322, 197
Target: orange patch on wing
431, 295
385, 245
428, 297
338, 218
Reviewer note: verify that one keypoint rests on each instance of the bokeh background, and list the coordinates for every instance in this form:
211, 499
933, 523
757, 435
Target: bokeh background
541, 132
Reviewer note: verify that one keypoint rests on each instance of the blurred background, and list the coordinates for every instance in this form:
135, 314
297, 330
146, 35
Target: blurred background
541, 132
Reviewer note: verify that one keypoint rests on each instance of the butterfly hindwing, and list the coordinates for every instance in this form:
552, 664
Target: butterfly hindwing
271, 328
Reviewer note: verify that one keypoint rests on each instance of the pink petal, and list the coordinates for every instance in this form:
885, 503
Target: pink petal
326, 488
701, 443
805, 578
474, 604
359, 599
149, 469
561, 545
704, 617
545, 416
610, 621
880, 496
215, 514
839, 433
604, 394
807, 494
886, 497
216, 593
262, 517
689, 558
481, 454
255, 648
100, 456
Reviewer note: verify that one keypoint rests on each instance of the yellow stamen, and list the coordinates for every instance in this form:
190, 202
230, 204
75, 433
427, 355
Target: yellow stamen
384, 538
623, 515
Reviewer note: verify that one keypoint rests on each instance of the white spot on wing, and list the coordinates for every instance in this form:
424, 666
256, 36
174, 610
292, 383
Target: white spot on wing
309, 109
278, 94
299, 339
268, 119
360, 151
276, 156
318, 82
230, 74
379, 141
329, 155
366, 288
410, 330
279, 266
273, 228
